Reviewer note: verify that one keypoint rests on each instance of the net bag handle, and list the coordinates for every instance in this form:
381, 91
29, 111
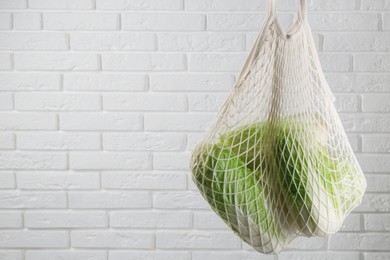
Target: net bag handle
271, 12
302, 9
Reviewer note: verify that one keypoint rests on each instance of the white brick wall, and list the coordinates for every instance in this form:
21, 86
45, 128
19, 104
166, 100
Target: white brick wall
101, 102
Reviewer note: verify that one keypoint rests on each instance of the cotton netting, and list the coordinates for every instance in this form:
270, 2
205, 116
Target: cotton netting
276, 162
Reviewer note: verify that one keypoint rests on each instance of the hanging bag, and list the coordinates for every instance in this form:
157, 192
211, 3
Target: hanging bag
276, 163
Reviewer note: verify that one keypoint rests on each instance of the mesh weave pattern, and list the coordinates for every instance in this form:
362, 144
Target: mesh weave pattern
276, 162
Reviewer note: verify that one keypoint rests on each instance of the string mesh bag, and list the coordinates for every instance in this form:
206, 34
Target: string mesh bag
276, 163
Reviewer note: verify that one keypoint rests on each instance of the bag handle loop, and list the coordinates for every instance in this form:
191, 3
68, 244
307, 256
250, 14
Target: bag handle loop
302, 9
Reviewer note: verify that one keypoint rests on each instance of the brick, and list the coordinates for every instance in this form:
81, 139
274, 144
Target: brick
208, 220
386, 21
144, 102
6, 101
333, 5
372, 62
32, 199
107, 41
111, 239
24, 160
347, 103
143, 62
196, 239
10, 219
108, 161
7, 141
229, 255
144, 5
201, 42
34, 239
7, 180
148, 255
376, 256
5, 61
376, 103
191, 82
374, 163
60, 4
99, 121
308, 243
56, 61
27, 121
335, 62
163, 22
58, 141
80, 21
367, 82
65, 219
108, 200
376, 143
65, 254
192, 140
177, 122
354, 141
27, 21
377, 222
234, 22
32, 41
5, 21
206, 102
375, 203
319, 256
57, 101
143, 141
375, 5
57, 180
104, 82
171, 161
375, 123
11, 254
378, 183
117, 180
26, 82
13, 4
354, 241
343, 21
357, 41
351, 223
216, 62
145, 219
220, 5
179, 200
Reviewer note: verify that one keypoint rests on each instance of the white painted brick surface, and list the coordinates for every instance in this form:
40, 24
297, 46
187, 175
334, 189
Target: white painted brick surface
33, 41
104, 82
80, 21
7, 180
27, 21
5, 21
66, 254
163, 22
107, 200
145, 5
11, 254
111, 239
7, 141
101, 103
105, 41
65, 219
11, 219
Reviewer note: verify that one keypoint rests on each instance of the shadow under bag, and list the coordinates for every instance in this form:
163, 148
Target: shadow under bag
276, 162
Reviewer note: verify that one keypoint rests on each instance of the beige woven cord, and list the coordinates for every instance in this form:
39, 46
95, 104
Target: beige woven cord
276, 163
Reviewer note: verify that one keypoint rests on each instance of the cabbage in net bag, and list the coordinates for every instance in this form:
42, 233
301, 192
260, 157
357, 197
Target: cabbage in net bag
276, 163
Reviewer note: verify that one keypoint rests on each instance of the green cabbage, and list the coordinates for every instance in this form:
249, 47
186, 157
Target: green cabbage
239, 173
